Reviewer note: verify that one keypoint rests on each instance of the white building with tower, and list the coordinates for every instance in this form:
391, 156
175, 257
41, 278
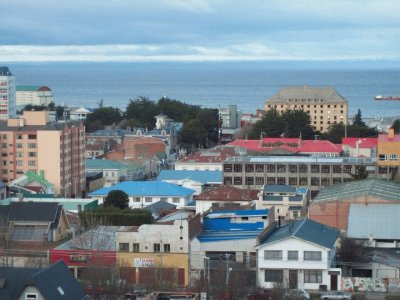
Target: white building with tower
7, 94
33, 95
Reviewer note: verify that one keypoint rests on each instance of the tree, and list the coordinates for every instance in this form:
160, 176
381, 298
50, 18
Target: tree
357, 120
193, 133
396, 126
142, 110
360, 173
104, 115
270, 124
297, 122
118, 199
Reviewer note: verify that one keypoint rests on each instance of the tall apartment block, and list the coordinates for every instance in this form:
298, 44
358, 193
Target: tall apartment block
34, 95
7, 94
33, 143
324, 104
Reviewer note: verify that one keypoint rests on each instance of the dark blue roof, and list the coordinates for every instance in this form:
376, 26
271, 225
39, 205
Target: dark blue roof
279, 188
215, 236
199, 176
239, 212
307, 230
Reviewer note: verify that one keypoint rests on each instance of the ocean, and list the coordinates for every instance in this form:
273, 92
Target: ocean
215, 85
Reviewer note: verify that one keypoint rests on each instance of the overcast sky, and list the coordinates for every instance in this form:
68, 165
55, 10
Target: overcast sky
199, 30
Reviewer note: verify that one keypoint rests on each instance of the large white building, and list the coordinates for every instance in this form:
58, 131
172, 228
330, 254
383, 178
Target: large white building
34, 95
298, 255
7, 94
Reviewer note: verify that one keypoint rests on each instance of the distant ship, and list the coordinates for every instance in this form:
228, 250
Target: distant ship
381, 97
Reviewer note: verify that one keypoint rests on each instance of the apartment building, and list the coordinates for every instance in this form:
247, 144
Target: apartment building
324, 104
7, 94
311, 172
33, 143
34, 95
389, 149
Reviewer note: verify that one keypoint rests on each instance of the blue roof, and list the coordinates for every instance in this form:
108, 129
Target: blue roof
218, 226
307, 230
146, 188
199, 176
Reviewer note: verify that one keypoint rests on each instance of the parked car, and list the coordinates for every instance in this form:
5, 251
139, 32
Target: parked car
297, 295
336, 295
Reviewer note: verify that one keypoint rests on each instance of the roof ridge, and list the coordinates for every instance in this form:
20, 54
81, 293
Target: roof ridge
300, 226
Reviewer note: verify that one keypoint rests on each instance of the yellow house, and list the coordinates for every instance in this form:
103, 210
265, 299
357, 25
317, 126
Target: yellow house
157, 254
389, 149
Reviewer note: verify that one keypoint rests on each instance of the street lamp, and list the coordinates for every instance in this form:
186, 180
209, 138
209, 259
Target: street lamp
207, 267
228, 271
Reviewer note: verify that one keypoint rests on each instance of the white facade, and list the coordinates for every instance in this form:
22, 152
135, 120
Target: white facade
175, 235
7, 94
111, 176
142, 201
189, 184
198, 166
34, 96
79, 114
297, 273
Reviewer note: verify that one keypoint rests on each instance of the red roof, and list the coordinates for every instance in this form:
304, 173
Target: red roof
294, 145
363, 142
228, 193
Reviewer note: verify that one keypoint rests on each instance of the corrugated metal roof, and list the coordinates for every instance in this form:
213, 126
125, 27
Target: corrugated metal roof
199, 176
380, 188
236, 213
146, 188
377, 221
307, 230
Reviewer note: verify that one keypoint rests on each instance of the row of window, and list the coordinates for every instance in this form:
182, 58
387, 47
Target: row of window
310, 276
163, 199
293, 255
388, 157
124, 247
282, 168
294, 181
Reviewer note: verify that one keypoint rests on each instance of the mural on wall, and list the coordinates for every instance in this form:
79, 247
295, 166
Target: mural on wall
363, 284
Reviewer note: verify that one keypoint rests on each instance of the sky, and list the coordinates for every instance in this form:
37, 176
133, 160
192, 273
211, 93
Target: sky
199, 30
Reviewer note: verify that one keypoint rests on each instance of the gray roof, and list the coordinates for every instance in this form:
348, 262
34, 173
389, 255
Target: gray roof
282, 188
5, 71
307, 230
379, 188
158, 207
49, 126
31, 211
50, 281
378, 221
308, 94
280, 198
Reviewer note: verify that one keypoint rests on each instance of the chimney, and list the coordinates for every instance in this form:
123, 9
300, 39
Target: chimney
21, 122
391, 133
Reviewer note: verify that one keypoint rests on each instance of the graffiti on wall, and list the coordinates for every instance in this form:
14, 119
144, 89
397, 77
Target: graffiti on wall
363, 284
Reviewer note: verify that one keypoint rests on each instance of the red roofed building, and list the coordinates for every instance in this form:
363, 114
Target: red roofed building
360, 147
290, 146
209, 159
225, 197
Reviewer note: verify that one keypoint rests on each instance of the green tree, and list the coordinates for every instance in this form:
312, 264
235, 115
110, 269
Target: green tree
193, 133
361, 173
142, 110
104, 115
118, 199
338, 131
297, 122
396, 126
357, 120
271, 124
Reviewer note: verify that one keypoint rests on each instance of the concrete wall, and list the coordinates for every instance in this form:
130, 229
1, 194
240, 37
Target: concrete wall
362, 284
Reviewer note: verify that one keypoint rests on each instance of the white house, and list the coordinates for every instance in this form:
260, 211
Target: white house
143, 193
79, 114
290, 202
299, 255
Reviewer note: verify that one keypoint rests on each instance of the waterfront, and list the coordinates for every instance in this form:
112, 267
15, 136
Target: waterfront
246, 84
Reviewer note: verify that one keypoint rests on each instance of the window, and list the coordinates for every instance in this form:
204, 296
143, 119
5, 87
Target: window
281, 168
293, 255
273, 275
382, 157
19, 137
325, 181
292, 168
281, 180
19, 145
312, 276
19, 162
135, 247
228, 168
124, 247
175, 200
312, 255
315, 181
271, 180
237, 180
163, 199
394, 157
249, 180
31, 145
314, 168
249, 168
325, 169
32, 154
31, 296
31, 163
227, 180
271, 168
292, 181
273, 254
32, 136
237, 168
167, 248
337, 169
156, 247
259, 168
259, 180
136, 199
148, 199
303, 169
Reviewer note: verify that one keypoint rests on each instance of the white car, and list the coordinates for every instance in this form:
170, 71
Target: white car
297, 295
336, 295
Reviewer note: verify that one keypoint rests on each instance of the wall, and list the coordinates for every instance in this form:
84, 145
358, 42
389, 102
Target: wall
198, 166
371, 284
336, 213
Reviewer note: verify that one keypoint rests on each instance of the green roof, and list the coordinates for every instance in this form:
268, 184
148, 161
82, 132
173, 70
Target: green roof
28, 88
380, 188
307, 230
39, 178
102, 164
